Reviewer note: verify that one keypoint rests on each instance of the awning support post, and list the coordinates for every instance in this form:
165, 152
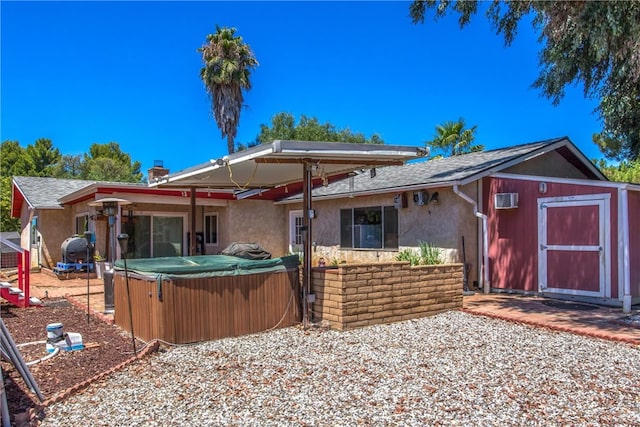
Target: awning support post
308, 236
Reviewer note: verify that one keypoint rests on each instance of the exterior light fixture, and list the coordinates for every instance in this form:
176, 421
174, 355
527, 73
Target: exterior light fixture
110, 207
435, 198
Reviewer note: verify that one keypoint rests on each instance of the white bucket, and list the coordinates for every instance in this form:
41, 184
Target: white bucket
54, 332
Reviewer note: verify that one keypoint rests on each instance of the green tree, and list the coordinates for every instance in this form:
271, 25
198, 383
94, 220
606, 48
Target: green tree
6, 222
107, 162
69, 166
452, 139
228, 63
626, 171
43, 156
284, 126
593, 43
13, 161
104, 162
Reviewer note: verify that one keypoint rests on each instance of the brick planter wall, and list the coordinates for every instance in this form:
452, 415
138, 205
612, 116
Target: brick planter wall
356, 295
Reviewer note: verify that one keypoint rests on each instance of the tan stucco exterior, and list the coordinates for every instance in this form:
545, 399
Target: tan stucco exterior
442, 224
256, 221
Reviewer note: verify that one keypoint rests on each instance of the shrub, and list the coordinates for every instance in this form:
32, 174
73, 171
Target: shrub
429, 254
408, 255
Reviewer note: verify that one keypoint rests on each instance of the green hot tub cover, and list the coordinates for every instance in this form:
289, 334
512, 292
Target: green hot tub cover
199, 266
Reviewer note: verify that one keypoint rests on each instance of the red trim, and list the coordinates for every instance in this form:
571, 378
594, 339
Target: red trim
279, 193
18, 200
200, 194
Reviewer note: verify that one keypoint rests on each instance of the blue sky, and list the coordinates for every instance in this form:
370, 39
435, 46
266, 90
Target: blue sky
86, 72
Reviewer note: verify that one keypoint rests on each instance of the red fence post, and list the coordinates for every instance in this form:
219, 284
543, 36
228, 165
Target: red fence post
27, 282
20, 269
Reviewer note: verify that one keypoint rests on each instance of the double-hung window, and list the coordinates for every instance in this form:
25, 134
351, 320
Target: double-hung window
369, 228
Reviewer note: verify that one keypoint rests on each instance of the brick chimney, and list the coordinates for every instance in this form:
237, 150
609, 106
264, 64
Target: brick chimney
158, 170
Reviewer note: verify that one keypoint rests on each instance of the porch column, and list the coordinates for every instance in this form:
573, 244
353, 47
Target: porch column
307, 234
192, 222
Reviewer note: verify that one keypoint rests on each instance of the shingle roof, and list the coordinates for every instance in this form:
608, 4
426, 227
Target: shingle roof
444, 171
44, 193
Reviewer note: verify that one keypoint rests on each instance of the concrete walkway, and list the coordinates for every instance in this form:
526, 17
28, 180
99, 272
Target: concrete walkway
585, 319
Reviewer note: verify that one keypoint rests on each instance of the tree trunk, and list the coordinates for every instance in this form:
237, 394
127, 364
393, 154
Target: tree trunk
230, 144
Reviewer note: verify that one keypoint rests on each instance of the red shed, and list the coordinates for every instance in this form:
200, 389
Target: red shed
567, 238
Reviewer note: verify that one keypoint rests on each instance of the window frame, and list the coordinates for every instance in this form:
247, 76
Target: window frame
383, 240
205, 221
79, 216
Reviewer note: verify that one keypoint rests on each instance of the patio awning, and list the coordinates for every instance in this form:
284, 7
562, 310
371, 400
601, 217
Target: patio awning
279, 163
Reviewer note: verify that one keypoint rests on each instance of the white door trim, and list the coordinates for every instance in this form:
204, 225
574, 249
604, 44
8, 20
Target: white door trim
604, 221
293, 214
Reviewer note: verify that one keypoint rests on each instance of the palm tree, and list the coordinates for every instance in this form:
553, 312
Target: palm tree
453, 139
228, 62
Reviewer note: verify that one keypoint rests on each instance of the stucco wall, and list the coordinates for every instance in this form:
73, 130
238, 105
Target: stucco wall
55, 226
256, 221
442, 224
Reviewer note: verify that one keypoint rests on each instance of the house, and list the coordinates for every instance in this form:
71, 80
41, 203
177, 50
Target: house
52, 210
536, 218
159, 219
525, 213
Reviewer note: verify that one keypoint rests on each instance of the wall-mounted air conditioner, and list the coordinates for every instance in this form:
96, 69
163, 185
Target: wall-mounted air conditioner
506, 200
420, 197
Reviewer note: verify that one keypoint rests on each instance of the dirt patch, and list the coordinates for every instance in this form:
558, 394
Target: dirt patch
106, 347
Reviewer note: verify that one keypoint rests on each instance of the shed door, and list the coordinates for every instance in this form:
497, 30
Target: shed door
573, 253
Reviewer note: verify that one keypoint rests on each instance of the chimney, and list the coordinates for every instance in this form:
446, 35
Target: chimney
158, 170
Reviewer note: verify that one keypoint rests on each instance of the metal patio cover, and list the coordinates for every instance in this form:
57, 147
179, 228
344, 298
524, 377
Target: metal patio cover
280, 163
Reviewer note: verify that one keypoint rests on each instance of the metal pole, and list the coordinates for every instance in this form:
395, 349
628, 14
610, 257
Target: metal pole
126, 278
88, 283
306, 254
123, 241
88, 237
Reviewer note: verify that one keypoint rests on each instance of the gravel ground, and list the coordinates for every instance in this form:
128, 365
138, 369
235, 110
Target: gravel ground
449, 369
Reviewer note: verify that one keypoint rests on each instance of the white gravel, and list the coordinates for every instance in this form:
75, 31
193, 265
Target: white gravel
449, 369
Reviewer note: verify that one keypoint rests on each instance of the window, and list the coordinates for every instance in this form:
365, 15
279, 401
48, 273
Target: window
82, 224
34, 231
369, 228
211, 229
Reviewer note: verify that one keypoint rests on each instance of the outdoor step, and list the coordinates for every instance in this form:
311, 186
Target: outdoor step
5, 285
15, 291
34, 301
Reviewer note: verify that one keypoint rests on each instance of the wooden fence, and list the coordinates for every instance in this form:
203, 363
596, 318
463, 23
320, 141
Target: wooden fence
193, 310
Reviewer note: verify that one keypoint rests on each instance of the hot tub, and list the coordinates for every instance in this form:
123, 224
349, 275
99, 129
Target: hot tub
200, 298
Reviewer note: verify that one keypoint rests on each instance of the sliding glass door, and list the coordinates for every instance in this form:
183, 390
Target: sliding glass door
152, 236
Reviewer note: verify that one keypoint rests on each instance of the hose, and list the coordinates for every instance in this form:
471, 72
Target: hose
56, 350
